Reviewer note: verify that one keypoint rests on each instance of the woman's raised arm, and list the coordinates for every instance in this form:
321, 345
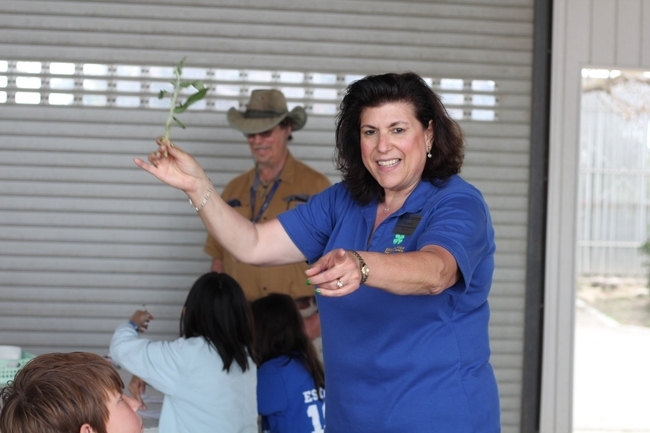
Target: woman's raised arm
259, 244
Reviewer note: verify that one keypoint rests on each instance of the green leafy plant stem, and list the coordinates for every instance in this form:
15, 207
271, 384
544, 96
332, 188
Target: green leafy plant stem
172, 107
176, 106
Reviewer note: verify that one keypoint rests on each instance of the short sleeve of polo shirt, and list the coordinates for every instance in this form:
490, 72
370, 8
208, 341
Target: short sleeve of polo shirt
460, 223
310, 226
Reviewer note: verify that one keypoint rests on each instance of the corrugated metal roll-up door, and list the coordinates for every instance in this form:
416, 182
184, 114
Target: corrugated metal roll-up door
86, 237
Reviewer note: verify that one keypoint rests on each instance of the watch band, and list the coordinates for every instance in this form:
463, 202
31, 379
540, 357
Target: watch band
363, 268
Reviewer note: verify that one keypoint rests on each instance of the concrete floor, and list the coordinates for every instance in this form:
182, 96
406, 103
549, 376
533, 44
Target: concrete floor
611, 375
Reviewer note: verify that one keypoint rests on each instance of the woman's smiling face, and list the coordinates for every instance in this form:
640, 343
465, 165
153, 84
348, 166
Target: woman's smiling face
394, 145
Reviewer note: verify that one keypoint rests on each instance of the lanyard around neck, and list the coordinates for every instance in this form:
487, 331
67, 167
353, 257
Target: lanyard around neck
267, 200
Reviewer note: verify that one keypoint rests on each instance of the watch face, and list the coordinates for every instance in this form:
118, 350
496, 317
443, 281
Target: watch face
365, 270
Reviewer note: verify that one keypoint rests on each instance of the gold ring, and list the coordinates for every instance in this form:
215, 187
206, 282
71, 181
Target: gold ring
339, 283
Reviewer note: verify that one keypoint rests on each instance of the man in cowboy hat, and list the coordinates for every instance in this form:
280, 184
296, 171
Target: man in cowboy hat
277, 182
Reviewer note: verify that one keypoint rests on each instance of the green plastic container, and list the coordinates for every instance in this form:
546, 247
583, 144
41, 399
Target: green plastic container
9, 367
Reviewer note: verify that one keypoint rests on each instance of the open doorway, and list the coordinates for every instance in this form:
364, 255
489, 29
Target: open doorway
611, 392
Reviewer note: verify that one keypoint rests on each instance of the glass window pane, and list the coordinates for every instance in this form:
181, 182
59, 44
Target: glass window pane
256, 87
62, 68
127, 71
486, 100
159, 72
483, 85
225, 104
127, 101
3, 97
61, 98
95, 100
264, 76
293, 92
97, 85
452, 99
223, 89
325, 93
29, 67
484, 115
95, 69
324, 108
61, 83
127, 86
323, 78
227, 74
455, 113
194, 73
159, 103
291, 77
451, 84
28, 98
28, 82
292, 105
350, 78
230, 93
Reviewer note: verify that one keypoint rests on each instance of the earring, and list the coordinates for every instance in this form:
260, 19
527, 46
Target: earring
429, 154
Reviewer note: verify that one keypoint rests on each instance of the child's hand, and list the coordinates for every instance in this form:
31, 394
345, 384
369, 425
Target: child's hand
137, 387
141, 318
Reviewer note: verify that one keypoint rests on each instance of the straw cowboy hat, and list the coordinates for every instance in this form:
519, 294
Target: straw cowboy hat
266, 108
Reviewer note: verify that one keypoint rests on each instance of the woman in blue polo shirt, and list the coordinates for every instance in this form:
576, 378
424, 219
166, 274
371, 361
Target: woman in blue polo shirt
402, 254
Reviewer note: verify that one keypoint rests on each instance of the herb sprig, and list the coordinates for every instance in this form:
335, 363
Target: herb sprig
177, 106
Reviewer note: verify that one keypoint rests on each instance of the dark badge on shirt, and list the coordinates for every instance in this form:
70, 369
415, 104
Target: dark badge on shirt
234, 202
407, 223
302, 198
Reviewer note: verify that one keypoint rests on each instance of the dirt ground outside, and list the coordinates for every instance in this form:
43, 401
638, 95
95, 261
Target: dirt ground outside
626, 300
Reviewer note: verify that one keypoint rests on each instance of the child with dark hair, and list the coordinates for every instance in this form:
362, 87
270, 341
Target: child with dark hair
68, 393
290, 379
208, 375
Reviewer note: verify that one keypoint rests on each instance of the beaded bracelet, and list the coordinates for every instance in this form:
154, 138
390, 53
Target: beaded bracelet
205, 199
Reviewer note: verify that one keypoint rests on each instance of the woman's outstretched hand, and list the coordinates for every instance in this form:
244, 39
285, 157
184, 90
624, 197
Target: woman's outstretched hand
335, 274
175, 167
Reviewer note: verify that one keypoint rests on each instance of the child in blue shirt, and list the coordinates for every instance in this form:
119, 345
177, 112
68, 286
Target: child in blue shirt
290, 379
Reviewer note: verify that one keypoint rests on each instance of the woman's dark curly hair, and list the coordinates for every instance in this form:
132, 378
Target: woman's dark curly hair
374, 91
